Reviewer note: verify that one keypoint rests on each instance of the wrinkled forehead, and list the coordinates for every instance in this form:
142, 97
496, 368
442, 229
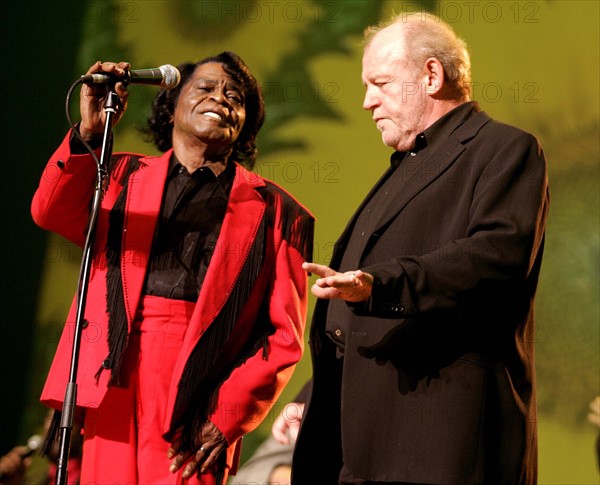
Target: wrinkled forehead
385, 52
217, 71
387, 44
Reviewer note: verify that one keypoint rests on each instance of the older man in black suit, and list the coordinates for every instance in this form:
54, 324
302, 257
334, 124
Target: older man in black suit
422, 337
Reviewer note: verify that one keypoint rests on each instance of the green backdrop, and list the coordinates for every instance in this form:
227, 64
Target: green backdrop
535, 65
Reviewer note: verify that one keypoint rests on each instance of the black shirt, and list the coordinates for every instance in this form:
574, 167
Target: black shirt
191, 216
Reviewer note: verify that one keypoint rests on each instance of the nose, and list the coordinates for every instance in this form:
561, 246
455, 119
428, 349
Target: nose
218, 94
370, 101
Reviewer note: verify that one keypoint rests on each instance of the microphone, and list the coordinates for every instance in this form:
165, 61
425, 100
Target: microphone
34, 443
165, 76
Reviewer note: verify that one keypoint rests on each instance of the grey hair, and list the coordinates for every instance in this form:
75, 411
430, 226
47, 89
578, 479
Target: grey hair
426, 36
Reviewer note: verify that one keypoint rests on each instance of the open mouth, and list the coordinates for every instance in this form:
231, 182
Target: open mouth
213, 115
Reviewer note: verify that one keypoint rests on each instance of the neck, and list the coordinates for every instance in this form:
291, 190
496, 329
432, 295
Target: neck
201, 155
439, 108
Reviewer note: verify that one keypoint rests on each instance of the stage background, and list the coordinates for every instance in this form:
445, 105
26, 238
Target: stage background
535, 65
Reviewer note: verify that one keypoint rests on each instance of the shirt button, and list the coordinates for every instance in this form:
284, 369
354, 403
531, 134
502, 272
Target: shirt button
338, 332
181, 169
413, 154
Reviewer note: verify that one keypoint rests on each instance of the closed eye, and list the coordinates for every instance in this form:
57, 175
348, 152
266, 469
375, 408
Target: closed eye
236, 98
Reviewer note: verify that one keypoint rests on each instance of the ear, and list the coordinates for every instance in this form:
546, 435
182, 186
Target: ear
434, 80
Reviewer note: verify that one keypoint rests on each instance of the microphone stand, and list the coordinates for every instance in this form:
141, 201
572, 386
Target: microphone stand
70, 401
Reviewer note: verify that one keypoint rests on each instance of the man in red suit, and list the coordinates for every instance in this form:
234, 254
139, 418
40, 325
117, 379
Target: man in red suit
422, 336
197, 300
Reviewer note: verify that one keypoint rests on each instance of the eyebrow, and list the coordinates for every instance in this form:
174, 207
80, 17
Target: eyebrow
231, 83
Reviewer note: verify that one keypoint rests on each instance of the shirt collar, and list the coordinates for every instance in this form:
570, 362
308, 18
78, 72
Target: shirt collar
443, 127
225, 178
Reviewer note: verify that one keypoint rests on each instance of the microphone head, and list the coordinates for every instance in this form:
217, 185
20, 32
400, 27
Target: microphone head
171, 76
34, 443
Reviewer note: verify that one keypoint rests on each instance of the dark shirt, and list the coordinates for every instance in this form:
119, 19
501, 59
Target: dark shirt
191, 217
192, 213
402, 167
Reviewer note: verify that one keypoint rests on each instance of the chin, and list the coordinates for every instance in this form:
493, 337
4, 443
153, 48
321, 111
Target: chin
390, 143
401, 145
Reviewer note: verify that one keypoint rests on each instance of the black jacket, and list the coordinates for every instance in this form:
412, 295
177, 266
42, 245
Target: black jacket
437, 381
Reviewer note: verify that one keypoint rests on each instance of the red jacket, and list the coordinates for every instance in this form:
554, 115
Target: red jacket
61, 204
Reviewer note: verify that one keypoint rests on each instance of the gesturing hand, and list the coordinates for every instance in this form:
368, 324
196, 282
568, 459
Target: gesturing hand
353, 286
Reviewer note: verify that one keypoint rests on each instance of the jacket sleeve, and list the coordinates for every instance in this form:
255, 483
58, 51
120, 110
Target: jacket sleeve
62, 201
247, 396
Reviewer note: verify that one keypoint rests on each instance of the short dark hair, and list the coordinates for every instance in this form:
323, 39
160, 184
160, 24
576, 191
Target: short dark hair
159, 126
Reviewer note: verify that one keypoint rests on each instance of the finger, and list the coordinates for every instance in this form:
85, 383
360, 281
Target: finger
178, 462
364, 278
293, 414
118, 69
348, 280
190, 469
278, 430
175, 445
326, 293
281, 438
337, 281
343, 281
318, 269
123, 93
175, 465
96, 67
125, 65
211, 458
322, 283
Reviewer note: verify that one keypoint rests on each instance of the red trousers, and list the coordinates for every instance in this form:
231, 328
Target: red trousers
123, 441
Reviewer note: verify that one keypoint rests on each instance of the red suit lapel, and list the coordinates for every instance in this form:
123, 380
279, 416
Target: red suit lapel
245, 211
144, 197
244, 214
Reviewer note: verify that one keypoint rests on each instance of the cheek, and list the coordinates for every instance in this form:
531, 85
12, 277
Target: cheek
241, 121
182, 108
392, 101
395, 109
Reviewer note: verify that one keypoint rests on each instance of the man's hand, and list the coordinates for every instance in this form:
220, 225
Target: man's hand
93, 98
13, 466
352, 286
287, 424
209, 445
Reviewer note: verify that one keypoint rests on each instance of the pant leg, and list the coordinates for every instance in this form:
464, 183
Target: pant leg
161, 332
109, 441
124, 441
